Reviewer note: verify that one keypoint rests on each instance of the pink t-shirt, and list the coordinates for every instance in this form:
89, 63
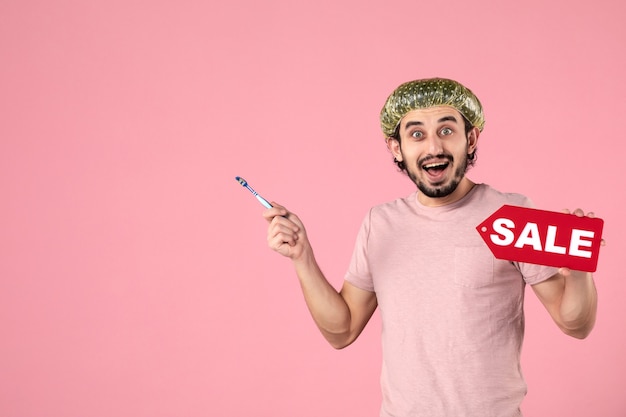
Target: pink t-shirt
452, 314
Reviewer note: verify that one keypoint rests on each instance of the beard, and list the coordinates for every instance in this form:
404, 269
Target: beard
445, 189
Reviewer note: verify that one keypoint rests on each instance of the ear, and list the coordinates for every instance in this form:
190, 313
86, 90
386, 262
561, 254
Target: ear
472, 140
394, 147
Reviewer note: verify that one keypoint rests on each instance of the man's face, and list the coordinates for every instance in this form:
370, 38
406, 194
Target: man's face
434, 147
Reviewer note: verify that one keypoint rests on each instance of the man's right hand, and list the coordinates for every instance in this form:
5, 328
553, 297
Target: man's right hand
286, 234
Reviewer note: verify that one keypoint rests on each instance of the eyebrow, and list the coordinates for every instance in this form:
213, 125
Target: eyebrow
418, 123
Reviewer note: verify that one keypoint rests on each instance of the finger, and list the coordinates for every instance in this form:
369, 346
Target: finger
278, 206
578, 212
294, 219
287, 222
279, 238
282, 234
275, 211
280, 246
280, 224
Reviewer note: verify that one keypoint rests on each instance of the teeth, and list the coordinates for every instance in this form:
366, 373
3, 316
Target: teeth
435, 165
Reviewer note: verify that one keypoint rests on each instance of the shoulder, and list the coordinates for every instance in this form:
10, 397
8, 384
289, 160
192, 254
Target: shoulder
399, 206
388, 214
486, 193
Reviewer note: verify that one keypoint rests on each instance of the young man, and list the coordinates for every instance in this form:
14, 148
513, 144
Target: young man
452, 314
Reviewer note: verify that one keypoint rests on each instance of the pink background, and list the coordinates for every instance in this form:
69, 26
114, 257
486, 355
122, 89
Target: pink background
134, 274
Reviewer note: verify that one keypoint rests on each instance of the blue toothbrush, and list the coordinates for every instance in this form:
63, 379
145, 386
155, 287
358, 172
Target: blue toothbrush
258, 197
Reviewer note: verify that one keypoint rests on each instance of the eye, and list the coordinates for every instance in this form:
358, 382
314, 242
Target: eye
417, 134
446, 131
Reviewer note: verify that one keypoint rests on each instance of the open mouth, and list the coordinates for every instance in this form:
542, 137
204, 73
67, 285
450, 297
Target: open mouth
435, 168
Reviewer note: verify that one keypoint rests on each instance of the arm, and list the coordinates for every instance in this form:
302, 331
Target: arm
340, 316
571, 299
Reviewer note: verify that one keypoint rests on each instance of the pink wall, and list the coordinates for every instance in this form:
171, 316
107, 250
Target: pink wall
134, 274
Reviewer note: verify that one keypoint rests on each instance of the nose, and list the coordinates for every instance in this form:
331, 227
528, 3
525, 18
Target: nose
435, 145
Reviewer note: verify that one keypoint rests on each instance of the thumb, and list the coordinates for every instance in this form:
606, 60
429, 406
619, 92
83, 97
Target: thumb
566, 272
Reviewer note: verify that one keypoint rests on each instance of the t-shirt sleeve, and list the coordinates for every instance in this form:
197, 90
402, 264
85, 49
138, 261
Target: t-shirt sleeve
534, 274
359, 273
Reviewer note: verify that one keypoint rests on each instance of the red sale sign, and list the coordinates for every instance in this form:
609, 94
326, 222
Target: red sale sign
543, 237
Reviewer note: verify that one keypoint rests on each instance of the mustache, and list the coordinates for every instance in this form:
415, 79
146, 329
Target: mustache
439, 157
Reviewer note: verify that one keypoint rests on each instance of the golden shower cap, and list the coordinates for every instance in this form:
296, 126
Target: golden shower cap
420, 94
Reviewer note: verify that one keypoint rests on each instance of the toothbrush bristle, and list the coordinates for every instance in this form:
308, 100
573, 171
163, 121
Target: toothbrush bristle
241, 181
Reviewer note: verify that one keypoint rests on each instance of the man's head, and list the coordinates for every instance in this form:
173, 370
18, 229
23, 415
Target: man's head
430, 92
432, 128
